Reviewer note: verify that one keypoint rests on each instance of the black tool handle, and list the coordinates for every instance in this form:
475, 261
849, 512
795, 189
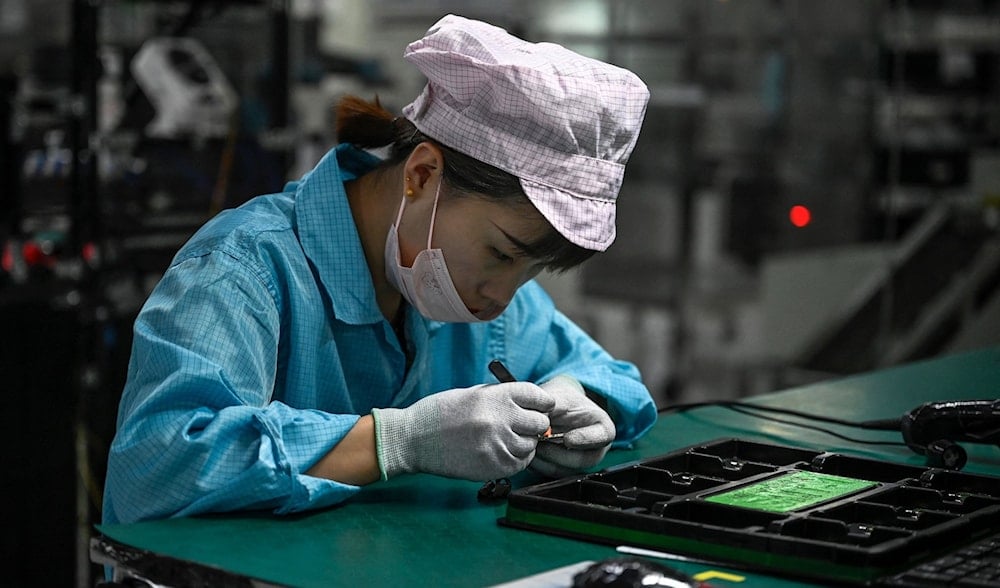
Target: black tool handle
500, 372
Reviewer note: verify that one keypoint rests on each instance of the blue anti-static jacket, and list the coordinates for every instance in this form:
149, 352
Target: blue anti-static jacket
263, 343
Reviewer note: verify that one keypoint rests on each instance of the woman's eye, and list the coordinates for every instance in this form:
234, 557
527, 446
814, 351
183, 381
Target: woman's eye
501, 255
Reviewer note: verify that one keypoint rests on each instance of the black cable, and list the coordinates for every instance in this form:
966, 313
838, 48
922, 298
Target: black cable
748, 408
884, 424
814, 428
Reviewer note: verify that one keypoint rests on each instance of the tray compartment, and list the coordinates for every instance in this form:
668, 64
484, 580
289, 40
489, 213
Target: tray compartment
863, 469
914, 498
592, 492
728, 468
885, 515
717, 515
638, 479
658, 480
838, 532
961, 483
740, 450
600, 493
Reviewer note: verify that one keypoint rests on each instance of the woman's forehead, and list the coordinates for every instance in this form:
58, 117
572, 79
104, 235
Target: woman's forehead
515, 214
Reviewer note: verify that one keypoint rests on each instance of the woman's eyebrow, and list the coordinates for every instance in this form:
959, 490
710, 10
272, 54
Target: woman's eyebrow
526, 248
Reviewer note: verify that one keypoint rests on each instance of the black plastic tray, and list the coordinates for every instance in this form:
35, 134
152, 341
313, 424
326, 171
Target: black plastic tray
829, 516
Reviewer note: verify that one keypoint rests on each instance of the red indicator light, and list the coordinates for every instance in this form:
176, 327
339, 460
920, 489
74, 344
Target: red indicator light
32, 253
799, 215
7, 260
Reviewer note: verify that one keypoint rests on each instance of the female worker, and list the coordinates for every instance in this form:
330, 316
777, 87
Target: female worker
313, 341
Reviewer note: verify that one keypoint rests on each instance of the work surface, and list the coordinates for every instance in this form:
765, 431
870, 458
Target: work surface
433, 531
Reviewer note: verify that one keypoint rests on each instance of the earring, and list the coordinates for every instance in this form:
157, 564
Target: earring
409, 190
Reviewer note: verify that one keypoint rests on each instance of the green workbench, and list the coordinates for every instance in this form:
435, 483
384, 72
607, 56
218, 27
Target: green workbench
433, 531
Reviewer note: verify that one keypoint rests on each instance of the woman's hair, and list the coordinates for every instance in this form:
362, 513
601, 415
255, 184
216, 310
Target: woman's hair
368, 125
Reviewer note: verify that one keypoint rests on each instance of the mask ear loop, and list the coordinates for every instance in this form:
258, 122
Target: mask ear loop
430, 233
399, 213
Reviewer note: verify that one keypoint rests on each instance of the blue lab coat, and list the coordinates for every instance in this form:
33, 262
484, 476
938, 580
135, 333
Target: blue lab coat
263, 343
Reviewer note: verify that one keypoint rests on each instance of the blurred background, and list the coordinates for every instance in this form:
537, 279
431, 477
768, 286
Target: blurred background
815, 193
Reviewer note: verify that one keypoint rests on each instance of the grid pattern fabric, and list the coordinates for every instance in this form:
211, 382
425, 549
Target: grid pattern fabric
564, 124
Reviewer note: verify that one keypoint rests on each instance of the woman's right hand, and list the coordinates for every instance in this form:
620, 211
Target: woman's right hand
478, 433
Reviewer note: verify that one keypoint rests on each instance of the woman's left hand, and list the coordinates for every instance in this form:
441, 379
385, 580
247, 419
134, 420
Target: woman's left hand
587, 431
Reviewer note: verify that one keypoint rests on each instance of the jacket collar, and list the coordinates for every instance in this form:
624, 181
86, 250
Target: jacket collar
329, 236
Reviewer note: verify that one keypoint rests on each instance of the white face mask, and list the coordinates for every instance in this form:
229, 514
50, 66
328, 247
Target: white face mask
427, 286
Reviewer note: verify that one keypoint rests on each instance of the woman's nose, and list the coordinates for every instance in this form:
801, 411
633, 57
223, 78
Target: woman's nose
501, 288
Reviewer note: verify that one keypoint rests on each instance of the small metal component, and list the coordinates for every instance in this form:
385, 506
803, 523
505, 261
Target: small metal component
556, 438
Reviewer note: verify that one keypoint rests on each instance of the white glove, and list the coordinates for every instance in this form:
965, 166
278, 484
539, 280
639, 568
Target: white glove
479, 433
587, 428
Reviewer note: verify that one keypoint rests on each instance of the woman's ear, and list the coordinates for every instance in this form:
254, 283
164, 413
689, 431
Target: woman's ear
425, 161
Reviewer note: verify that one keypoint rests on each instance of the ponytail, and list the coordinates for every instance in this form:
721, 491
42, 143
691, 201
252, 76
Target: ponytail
368, 125
362, 123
